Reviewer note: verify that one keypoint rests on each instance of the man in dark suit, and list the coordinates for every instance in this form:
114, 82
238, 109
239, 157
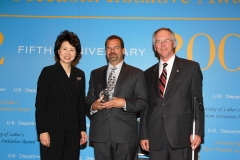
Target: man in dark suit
167, 123
114, 127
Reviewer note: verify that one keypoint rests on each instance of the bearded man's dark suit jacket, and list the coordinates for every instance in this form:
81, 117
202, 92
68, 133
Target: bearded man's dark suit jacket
174, 113
117, 123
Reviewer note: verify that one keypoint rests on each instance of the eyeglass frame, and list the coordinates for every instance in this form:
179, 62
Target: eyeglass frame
115, 48
165, 41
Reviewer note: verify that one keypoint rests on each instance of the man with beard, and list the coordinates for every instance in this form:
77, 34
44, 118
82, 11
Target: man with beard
114, 104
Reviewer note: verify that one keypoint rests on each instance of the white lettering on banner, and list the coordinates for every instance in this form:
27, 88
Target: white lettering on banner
11, 155
30, 90
34, 49
134, 51
92, 51
10, 123
217, 96
213, 130
232, 96
29, 156
17, 89
26, 123
229, 131
101, 52
2, 89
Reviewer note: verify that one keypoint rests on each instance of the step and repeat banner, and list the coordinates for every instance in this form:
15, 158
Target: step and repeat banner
207, 32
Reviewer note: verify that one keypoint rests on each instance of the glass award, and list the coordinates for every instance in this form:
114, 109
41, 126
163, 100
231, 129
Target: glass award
106, 95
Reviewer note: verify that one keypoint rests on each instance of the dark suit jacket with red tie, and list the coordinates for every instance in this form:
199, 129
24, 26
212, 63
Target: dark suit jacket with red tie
120, 125
174, 113
60, 100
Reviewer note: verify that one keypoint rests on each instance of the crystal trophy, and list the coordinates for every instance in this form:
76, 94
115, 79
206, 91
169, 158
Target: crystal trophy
106, 95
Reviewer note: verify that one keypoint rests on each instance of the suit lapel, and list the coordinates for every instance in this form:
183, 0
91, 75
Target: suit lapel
173, 76
121, 77
74, 77
155, 79
62, 73
103, 77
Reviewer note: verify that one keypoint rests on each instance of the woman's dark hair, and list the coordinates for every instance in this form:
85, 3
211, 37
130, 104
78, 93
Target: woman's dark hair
72, 38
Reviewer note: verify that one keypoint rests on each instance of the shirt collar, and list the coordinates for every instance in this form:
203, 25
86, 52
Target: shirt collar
119, 66
169, 62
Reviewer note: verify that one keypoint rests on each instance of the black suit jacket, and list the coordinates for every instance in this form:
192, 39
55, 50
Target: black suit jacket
120, 125
60, 100
174, 113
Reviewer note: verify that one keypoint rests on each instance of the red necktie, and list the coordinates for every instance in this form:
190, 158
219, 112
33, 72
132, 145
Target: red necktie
163, 79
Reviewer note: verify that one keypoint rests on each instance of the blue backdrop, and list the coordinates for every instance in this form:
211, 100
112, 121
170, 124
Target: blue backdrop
207, 32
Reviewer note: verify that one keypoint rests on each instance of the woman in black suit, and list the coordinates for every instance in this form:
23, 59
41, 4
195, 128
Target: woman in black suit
60, 112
